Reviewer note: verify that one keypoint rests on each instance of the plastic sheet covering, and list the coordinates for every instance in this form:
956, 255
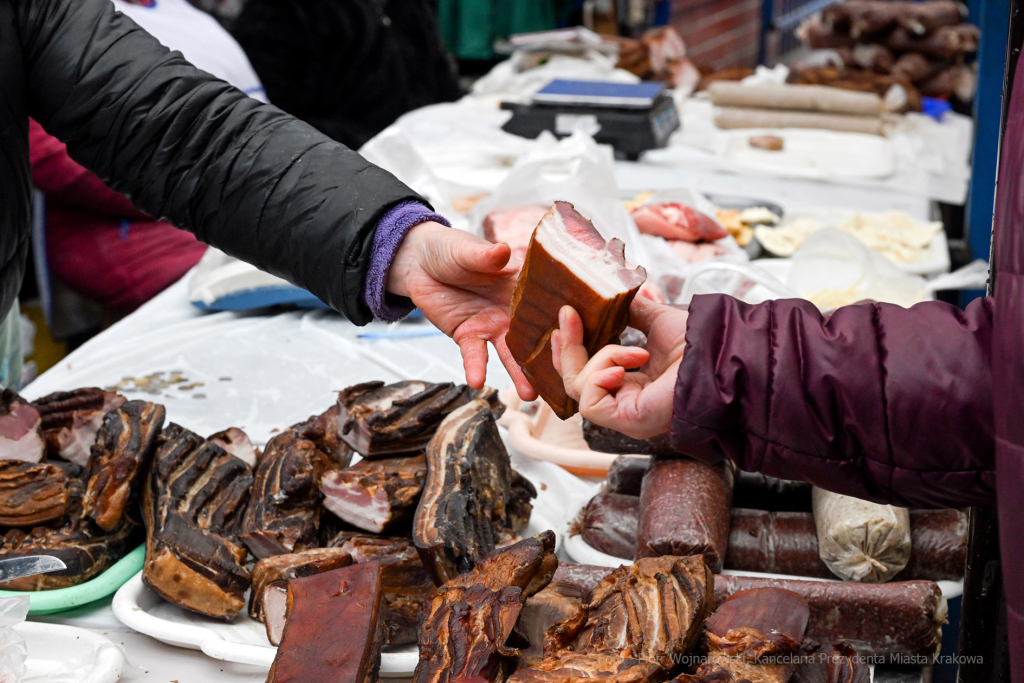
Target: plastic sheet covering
858, 540
12, 646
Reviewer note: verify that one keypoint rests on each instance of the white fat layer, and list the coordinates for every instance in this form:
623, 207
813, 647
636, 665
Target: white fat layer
356, 508
275, 606
29, 448
595, 267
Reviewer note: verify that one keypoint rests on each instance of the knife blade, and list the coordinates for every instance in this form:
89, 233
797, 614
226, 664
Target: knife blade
17, 567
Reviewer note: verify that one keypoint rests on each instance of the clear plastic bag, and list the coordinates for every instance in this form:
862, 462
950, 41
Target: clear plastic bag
12, 646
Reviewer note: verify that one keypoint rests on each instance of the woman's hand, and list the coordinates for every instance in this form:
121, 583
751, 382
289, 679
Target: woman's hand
463, 284
638, 404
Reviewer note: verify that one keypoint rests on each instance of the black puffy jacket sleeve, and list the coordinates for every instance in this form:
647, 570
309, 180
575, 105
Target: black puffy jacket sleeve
182, 145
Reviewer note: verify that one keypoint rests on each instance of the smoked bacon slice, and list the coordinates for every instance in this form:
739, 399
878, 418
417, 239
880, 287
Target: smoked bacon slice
568, 263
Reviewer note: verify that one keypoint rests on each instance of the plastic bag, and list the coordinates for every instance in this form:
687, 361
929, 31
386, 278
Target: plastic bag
13, 652
858, 540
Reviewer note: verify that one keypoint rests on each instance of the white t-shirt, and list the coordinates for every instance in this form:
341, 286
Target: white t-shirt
199, 37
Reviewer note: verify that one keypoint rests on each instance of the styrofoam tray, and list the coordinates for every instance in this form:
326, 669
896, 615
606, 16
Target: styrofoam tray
67, 654
580, 551
243, 639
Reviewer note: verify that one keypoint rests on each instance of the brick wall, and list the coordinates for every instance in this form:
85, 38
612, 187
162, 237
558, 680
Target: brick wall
719, 33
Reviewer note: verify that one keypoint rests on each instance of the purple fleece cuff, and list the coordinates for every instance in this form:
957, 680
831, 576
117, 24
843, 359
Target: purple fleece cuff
390, 231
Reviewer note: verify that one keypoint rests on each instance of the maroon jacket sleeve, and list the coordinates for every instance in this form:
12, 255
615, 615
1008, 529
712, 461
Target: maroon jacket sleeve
880, 402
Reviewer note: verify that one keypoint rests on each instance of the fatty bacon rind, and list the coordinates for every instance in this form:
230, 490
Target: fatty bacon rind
291, 566
20, 435
376, 495
568, 263
32, 493
72, 419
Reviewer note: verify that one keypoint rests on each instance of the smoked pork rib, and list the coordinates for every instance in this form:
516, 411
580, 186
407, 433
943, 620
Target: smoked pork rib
334, 627
192, 502
376, 495
379, 420
72, 419
556, 603
568, 263
406, 582
123, 447
754, 636
472, 500
465, 629
32, 493
20, 434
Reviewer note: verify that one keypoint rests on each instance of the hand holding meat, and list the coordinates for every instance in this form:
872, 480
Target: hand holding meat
463, 285
638, 404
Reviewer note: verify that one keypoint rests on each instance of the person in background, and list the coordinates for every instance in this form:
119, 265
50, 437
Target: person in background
347, 67
97, 242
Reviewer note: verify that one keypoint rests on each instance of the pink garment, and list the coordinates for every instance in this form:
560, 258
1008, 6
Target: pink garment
97, 243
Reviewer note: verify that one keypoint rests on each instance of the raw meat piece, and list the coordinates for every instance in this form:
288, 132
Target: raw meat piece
605, 440
557, 602
675, 221
651, 610
626, 474
406, 582
284, 510
280, 568
124, 445
586, 576
772, 143
885, 619
572, 667
684, 509
465, 629
761, 492
32, 493
753, 636
379, 420
470, 503
192, 503
513, 225
376, 495
347, 605
568, 263
695, 253
833, 663
610, 523
20, 435
71, 420
237, 443
858, 540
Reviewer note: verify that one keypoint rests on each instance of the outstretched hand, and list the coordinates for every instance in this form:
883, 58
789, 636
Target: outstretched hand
638, 404
463, 284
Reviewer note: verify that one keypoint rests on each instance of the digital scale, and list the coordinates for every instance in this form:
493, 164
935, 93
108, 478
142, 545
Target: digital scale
631, 117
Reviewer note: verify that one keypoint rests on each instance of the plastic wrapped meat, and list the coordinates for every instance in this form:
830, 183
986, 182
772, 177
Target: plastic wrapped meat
71, 420
20, 434
859, 540
587, 576
685, 509
938, 545
761, 492
626, 474
677, 222
775, 543
568, 263
376, 495
610, 523
513, 225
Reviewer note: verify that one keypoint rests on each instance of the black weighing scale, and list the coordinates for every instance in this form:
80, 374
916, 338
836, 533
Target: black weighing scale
631, 117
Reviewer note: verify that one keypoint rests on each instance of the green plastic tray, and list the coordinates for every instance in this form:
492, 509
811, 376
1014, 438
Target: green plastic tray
63, 599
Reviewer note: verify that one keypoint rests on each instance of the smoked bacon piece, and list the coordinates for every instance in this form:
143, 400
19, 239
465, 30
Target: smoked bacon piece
376, 495
568, 263
32, 493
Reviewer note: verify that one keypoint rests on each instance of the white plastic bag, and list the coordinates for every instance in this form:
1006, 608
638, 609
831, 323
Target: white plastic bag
12, 646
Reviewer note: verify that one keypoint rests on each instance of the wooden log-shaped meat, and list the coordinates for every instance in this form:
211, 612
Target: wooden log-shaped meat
21, 436
71, 420
32, 493
556, 603
280, 568
568, 263
192, 503
124, 446
833, 663
946, 42
685, 509
938, 545
576, 667
376, 495
887, 619
610, 523
334, 628
406, 582
466, 627
753, 636
626, 474
651, 610
775, 543
379, 420
757, 491
472, 499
